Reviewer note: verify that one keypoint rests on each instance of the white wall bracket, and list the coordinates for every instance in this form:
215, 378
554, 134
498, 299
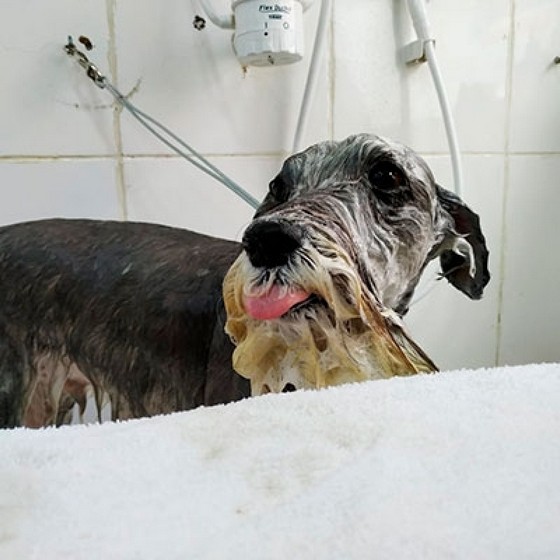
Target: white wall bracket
415, 52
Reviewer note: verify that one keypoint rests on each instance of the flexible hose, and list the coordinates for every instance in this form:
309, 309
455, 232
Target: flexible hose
417, 9
313, 74
447, 118
194, 157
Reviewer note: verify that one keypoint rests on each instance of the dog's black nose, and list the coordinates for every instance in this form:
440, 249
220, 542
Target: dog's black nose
270, 244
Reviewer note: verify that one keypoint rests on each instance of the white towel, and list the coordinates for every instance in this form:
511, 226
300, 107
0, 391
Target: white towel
449, 465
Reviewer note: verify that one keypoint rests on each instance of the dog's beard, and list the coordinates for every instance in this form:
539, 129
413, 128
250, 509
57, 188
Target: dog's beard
341, 335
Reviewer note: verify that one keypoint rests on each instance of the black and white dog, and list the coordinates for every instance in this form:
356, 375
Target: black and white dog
135, 313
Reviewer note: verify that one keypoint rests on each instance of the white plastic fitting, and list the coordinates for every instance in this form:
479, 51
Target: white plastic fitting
268, 33
265, 32
415, 52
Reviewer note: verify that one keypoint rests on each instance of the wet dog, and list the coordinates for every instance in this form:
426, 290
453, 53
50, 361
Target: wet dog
332, 259
135, 313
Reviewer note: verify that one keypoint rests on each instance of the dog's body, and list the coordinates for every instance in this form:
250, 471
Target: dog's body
130, 310
135, 311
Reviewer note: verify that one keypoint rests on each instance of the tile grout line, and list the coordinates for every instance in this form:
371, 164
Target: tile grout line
507, 131
120, 158
110, 6
69, 157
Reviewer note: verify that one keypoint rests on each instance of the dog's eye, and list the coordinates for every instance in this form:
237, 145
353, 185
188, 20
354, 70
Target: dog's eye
386, 176
279, 190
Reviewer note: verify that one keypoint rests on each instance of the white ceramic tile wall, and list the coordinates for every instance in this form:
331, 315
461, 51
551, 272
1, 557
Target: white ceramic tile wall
47, 107
64, 151
530, 330
191, 80
535, 119
171, 191
68, 188
376, 91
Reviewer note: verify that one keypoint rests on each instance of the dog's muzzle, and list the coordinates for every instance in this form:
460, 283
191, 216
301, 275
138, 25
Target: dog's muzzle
270, 245
302, 320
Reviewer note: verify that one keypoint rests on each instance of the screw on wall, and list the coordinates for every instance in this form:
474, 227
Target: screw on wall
554, 63
86, 41
199, 23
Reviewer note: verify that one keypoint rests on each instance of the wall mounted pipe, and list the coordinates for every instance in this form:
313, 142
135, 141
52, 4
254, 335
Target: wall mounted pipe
313, 74
423, 50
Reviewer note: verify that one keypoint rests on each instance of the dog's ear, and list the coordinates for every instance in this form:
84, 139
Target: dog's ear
463, 254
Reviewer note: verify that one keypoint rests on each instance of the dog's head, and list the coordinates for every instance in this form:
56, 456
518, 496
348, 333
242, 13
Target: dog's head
331, 261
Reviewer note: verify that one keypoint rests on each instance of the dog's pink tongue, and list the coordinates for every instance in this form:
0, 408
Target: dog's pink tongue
274, 303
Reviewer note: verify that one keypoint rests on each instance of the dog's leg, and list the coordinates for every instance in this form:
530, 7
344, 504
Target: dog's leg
99, 397
45, 401
75, 391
